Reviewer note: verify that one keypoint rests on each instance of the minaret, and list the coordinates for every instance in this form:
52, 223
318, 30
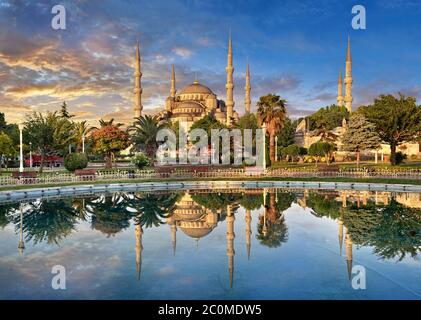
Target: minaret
230, 243
230, 84
138, 249
348, 78
248, 231
348, 248
340, 97
137, 85
172, 91
247, 88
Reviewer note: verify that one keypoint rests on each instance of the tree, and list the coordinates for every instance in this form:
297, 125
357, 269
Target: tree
64, 113
109, 140
328, 117
322, 149
397, 120
286, 136
291, 152
6, 148
208, 123
144, 131
271, 110
104, 123
360, 135
47, 133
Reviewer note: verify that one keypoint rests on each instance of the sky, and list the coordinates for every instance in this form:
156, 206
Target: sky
295, 49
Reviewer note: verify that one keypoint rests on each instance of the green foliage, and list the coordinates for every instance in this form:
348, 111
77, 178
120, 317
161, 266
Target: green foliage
327, 118
360, 135
397, 120
6, 145
144, 131
292, 151
400, 157
271, 110
75, 161
140, 160
321, 149
208, 123
286, 135
64, 113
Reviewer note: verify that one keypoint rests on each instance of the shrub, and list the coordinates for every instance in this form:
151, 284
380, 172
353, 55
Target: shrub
75, 161
399, 157
140, 160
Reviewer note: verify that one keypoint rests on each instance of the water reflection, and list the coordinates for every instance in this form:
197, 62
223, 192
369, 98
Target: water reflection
389, 223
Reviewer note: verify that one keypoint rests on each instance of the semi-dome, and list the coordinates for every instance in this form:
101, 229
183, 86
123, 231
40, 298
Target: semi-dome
195, 88
189, 108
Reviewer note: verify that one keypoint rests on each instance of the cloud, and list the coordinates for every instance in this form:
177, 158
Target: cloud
182, 52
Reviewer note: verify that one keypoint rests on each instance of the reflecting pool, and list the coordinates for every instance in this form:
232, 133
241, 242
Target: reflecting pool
201, 244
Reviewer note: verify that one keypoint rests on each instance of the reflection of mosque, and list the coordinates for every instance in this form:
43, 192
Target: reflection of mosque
197, 222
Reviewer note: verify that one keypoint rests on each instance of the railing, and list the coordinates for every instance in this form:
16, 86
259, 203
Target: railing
122, 175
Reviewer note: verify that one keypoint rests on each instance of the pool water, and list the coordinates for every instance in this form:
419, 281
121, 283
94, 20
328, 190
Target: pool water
198, 244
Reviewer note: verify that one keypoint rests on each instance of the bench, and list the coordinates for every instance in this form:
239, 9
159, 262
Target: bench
86, 174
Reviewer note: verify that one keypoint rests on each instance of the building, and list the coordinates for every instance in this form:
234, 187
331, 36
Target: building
196, 100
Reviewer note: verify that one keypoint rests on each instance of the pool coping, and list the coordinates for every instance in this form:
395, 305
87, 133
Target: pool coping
35, 193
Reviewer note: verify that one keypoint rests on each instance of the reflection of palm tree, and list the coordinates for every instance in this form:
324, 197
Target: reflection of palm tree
271, 228
274, 234
49, 221
153, 208
110, 213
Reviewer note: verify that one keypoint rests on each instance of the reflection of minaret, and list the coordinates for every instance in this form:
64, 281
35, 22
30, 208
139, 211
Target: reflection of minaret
340, 234
21, 245
174, 237
265, 230
138, 248
230, 84
343, 199
230, 242
248, 232
348, 246
137, 85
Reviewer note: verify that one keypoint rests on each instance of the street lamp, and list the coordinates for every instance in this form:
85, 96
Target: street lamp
276, 149
20, 126
83, 143
264, 146
30, 155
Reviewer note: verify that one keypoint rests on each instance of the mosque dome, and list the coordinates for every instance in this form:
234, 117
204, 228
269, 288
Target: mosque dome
196, 88
197, 232
190, 108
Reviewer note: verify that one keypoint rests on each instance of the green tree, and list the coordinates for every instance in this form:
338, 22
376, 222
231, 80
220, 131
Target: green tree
208, 123
64, 113
48, 133
144, 131
328, 118
291, 152
397, 120
360, 135
322, 149
80, 130
271, 110
286, 135
6, 148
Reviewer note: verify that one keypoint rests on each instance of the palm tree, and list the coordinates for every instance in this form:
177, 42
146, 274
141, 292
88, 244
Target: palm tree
271, 110
144, 131
104, 123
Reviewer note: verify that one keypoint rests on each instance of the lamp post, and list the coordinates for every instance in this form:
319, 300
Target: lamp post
276, 149
83, 143
264, 146
30, 155
20, 126
21, 245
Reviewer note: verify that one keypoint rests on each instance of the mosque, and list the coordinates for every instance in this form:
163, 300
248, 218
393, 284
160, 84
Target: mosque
196, 100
